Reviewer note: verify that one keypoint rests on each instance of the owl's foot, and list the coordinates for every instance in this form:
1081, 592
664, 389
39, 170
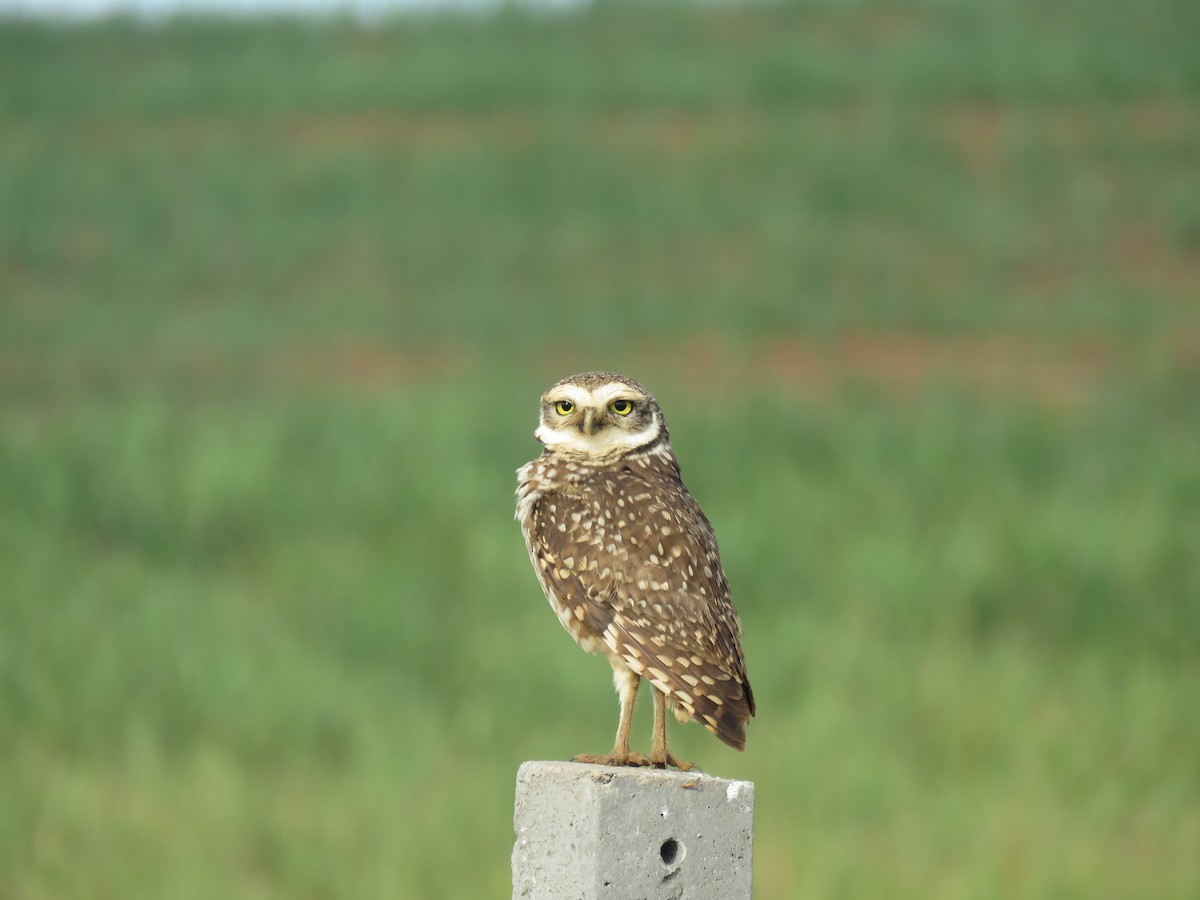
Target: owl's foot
628, 758
665, 759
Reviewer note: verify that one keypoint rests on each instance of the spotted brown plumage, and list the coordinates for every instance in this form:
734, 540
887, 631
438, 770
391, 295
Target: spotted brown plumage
629, 562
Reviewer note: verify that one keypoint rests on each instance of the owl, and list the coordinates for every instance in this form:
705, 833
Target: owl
629, 562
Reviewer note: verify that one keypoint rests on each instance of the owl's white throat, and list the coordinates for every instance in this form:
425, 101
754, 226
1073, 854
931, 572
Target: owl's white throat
605, 442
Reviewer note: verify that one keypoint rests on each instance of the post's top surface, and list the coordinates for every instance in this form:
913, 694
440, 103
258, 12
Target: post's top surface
633, 775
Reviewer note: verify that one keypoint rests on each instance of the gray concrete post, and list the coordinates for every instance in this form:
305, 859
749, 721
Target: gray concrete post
588, 832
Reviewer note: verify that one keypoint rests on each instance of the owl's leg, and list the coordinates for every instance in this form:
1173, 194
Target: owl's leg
626, 682
659, 754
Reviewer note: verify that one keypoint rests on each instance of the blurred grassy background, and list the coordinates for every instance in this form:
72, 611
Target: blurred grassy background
918, 284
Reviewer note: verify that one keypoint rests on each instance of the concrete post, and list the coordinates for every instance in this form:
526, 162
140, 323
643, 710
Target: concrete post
588, 832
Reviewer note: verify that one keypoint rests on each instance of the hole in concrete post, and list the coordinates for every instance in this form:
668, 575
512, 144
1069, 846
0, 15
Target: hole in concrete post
671, 852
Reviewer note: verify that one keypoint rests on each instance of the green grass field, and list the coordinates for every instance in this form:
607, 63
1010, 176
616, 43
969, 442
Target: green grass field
918, 285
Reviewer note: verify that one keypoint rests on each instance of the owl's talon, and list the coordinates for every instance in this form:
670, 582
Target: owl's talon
613, 759
667, 760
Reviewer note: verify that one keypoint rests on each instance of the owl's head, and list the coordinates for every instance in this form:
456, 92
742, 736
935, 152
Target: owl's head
600, 415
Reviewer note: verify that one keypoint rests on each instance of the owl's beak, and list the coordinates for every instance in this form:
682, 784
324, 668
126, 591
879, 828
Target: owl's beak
588, 416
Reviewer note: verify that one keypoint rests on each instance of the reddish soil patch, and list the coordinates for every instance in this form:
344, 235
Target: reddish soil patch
980, 133
905, 363
361, 363
1059, 374
425, 131
901, 364
984, 135
1144, 256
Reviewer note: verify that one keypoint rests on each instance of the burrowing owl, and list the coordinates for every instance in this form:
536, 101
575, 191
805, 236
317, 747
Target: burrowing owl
629, 562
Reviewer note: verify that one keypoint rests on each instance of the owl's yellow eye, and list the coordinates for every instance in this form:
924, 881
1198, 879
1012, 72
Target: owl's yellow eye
564, 407
621, 407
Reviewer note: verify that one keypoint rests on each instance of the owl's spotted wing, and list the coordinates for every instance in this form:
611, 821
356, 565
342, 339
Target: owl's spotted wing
631, 562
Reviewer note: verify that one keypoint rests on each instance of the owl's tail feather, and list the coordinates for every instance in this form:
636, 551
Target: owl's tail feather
727, 719
732, 716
